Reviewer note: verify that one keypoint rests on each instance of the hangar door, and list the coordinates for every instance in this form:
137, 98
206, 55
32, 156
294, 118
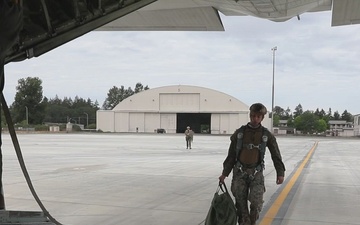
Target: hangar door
199, 122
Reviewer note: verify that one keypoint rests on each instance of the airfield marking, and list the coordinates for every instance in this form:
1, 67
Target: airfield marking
275, 207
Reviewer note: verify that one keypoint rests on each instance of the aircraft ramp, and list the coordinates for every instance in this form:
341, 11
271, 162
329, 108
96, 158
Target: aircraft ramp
23, 218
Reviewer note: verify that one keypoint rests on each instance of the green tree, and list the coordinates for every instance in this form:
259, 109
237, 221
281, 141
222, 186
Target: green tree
117, 95
298, 123
329, 114
306, 122
280, 112
29, 98
290, 122
320, 126
310, 123
317, 112
326, 119
298, 111
288, 113
78, 110
322, 113
139, 87
276, 120
336, 115
347, 116
96, 104
114, 97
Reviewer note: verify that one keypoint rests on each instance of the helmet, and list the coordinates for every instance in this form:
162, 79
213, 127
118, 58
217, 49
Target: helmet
258, 108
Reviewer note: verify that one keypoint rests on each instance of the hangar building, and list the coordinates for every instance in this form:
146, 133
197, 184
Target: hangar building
173, 108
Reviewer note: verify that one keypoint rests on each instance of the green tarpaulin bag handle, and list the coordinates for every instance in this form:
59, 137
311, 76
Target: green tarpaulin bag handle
222, 210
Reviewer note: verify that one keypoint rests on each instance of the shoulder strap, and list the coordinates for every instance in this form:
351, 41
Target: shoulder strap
264, 139
239, 143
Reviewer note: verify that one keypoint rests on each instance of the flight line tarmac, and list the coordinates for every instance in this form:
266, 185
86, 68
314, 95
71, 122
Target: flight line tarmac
133, 179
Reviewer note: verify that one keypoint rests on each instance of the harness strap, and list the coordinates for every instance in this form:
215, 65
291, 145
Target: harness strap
261, 147
264, 140
239, 145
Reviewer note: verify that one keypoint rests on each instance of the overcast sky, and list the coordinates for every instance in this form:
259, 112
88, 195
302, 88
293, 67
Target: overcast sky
316, 65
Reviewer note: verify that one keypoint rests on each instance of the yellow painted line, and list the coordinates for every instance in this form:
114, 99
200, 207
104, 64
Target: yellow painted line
273, 210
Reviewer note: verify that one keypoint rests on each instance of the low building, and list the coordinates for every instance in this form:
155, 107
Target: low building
357, 125
340, 128
282, 123
283, 129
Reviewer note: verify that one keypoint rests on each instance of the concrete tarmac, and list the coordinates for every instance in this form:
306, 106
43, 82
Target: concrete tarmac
133, 179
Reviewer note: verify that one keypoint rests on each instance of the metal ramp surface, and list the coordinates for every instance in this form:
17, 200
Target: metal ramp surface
23, 218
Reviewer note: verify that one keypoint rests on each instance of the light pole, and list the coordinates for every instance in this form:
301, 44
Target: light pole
273, 88
27, 115
87, 119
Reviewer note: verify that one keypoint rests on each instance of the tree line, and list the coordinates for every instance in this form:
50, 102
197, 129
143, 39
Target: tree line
309, 122
31, 108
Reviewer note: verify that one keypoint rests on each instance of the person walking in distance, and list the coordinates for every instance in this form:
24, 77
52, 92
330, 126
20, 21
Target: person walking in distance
246, 160
189, 135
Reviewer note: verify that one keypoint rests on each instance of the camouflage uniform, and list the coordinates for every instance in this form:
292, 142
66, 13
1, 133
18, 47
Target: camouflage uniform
247, 184
189, 135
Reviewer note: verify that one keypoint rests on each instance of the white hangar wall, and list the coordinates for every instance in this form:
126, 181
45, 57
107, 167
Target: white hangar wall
159, 108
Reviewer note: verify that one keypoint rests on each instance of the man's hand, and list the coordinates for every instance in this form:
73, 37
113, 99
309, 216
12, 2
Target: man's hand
222, 179
279, 180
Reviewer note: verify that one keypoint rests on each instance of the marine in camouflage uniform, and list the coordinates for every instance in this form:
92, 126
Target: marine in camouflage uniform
247, 164
189, 136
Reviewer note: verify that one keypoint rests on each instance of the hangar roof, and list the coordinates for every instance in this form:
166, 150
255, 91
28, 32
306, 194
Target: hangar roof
182, 98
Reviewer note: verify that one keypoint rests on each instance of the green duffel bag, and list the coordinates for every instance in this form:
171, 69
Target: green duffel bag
222, 210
